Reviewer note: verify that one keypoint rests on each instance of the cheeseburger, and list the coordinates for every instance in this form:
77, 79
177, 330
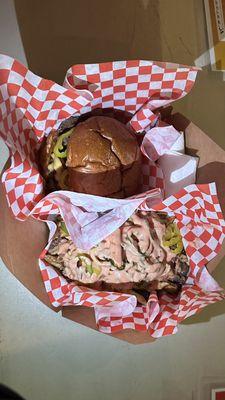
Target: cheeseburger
99, 156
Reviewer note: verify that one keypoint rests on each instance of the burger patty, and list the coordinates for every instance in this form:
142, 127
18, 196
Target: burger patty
146, 253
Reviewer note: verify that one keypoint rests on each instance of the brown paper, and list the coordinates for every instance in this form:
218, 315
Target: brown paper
21, 255
20, 246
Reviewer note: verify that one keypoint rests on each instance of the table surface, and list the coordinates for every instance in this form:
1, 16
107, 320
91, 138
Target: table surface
44, 356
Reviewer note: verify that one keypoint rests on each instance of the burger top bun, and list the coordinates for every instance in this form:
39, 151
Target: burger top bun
100, 144
103, 158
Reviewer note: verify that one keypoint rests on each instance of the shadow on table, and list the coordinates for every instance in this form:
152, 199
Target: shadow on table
8, 394
214, 172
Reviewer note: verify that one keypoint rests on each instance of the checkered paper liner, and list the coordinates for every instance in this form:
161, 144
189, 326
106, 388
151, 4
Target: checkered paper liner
30, 107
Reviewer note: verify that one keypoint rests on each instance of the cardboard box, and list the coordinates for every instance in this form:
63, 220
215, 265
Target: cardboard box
218, 394
24, 263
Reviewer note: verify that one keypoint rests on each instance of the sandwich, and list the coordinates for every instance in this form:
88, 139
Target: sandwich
145, 254
98, 156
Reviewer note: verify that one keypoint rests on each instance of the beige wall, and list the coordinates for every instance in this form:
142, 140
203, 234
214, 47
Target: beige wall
91, 31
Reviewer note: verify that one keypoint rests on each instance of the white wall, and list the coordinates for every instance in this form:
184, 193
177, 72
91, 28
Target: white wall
10, 44
10, 40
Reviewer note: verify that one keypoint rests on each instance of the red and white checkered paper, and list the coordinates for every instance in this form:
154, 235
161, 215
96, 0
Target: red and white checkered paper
30, 107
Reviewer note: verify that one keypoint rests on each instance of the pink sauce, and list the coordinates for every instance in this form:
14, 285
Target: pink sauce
132, 253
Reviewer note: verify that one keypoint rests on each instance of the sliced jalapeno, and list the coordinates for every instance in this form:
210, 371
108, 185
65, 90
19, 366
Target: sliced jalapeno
89, 268
96, 270
58, 149
64, 228
179, 248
